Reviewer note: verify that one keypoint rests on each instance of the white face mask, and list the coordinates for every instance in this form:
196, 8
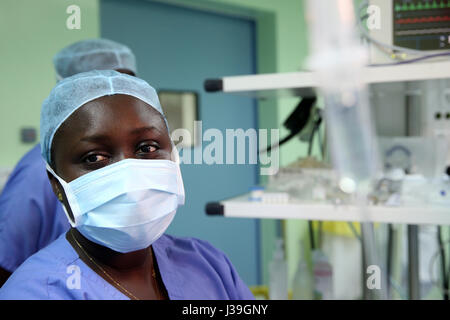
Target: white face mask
125, 206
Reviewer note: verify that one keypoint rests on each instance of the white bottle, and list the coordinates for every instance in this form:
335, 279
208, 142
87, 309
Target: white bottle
278, 286
323, 276
303, 285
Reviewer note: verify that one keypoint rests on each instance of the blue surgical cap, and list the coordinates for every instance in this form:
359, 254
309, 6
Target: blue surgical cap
93, 54
71, 93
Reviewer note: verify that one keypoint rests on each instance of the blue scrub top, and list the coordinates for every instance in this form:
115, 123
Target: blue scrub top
190, 269
31, 217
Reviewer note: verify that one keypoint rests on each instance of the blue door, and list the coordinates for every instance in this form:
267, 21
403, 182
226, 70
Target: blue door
177, 49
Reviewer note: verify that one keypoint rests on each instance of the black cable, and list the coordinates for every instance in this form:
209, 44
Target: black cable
311, 235
296, 121
311, 140
321, 144
445, 275
284, 140
390, 250
316, 128
310, 223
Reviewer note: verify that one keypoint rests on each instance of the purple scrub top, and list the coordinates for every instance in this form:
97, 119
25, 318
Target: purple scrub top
31, 217
190, 269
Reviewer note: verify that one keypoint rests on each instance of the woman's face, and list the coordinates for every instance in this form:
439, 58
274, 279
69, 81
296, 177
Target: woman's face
107, 130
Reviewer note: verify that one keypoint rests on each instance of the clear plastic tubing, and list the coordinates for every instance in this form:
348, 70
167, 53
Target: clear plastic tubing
338, 59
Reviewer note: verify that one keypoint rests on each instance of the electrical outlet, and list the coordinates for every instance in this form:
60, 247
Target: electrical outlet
28, 135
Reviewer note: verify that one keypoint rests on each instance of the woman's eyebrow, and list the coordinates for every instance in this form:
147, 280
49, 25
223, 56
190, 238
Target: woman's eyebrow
144, 130
96, 138
105, 137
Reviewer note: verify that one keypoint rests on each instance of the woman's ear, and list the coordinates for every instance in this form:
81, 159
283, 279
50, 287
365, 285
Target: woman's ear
56, 186
58, 190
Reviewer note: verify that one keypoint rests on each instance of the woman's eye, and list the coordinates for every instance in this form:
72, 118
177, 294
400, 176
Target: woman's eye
147, 149
94, 158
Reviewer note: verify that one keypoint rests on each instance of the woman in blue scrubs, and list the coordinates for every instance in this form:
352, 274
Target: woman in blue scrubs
113, 165
30, 214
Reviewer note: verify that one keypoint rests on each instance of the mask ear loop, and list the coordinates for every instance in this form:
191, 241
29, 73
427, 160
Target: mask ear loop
175, 157
69, 196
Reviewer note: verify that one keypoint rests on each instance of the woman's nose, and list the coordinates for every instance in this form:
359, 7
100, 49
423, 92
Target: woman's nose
125, 154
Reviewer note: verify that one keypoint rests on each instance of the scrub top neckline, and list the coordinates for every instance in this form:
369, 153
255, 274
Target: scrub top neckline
166, 271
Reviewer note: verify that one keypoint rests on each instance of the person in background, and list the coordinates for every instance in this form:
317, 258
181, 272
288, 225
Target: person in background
120, 184
31, 217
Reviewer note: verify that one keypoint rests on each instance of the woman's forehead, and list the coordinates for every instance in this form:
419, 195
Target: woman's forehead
115, 112
117, 107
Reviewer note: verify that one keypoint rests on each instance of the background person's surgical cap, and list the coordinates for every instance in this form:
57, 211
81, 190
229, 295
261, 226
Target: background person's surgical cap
93, 54
71, 93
